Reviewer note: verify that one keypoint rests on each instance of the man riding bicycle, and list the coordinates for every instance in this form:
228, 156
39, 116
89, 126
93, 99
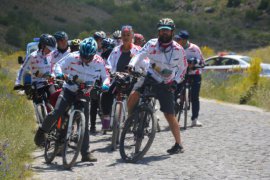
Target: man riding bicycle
194, 57
167, 67
86, 67
39, 64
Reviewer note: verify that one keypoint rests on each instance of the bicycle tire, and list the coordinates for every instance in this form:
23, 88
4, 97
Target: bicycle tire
74, 136
116, 125
131, 127
51, 142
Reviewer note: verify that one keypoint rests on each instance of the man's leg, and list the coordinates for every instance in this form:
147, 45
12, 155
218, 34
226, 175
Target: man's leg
93, 114
166, 101
132, 101
195, 92
85, 152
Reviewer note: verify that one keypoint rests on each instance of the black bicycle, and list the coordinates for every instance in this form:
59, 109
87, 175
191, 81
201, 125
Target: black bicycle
140, 128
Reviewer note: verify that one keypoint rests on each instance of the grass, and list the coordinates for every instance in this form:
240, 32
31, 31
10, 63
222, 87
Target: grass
263, 53
248, 88
16, 124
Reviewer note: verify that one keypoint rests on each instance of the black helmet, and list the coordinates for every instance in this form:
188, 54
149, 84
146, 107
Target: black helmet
47, 40
60, 35
107, 43
166, 23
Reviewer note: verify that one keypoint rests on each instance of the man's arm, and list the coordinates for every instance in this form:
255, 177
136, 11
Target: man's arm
23, 69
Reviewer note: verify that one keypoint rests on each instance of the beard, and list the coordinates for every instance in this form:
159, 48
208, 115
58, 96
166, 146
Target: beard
164, 38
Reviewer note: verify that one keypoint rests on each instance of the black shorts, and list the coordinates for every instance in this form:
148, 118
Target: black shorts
163, 94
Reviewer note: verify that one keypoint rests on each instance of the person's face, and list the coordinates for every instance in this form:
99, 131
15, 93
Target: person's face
46, 50
62, 44
182, 42
99, 41
88, 59
127, 37
165, 35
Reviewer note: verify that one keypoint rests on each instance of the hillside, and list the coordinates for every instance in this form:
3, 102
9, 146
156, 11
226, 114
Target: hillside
242, 26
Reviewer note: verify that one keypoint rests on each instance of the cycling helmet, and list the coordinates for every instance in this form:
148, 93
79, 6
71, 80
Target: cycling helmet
117, 34
75, 42
100, 34
74, 45
107, 43
88, 48
61, 35
138, 38
166, 23
47, 40
183, 34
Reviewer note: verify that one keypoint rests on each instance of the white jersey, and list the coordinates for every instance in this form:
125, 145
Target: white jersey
164, 66
56, 56
38, 64
72, 65
116, 53
193, 51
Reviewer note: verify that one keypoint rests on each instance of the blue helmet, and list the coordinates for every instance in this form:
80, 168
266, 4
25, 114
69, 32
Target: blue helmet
88, 48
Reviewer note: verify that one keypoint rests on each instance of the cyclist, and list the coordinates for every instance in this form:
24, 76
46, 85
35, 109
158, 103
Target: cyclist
117, 61
75, 45
62, 47
194, 57
117, 37
139, 39
167, 67
107, 45
39, 64
87, 66
99, 36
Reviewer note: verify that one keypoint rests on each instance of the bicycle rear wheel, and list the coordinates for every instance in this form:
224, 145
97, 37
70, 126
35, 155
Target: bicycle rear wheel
73, 139
51, 146
116, 129
137, 135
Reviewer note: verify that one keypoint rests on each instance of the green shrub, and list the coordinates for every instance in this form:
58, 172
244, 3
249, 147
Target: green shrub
13, 36
252, 14
263, 4
233, 3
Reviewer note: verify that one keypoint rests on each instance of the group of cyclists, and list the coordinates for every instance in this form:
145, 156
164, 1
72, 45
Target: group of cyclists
164, 59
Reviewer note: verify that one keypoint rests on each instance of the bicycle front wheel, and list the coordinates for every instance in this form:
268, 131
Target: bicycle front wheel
51, 146
117, 119
74, 138
137, 135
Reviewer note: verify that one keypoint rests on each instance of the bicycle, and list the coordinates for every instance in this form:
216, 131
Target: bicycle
183, 97
68, 131
122, 82
140, 127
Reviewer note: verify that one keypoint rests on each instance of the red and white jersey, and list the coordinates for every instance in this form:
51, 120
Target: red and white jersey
165, 65
72, 65
38, 64
116, 53
56, 56
193, 51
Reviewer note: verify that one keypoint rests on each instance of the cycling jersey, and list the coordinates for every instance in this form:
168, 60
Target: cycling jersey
164, 66
72, 65
56, 56
117, 52
193, 51
35, 62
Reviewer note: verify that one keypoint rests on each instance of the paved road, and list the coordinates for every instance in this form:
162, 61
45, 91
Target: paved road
234, 143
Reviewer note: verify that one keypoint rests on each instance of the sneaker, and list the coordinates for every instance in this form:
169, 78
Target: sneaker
89, 158
177, 148
40, 137
196, 123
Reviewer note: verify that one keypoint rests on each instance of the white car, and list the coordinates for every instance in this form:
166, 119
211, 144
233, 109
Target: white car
233, 63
